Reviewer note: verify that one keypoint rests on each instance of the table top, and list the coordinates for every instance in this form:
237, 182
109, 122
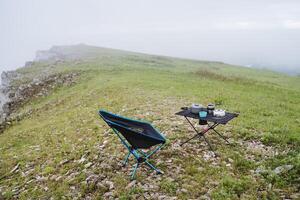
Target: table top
210, 118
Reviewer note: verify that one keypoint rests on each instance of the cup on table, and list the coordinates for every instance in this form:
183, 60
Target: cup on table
202, 114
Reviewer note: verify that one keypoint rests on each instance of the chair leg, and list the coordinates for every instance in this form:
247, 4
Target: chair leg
134, 171
140, 151
141, 159
126, 159
152, 167
154, 151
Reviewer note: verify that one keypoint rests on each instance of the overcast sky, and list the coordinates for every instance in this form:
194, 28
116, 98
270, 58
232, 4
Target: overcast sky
256, 32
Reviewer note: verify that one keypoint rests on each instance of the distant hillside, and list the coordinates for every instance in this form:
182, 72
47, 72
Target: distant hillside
82, 53
54, 145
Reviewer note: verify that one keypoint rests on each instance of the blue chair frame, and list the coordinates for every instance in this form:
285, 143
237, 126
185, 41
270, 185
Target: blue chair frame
133, 149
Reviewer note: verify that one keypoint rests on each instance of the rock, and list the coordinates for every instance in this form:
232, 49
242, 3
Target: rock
260, 170
161, 197
88, 165
281, 169
53, 177
108, 194
9, 76
154, 195
64, 162
15, 168
209, 155
205, 197
105, 142
41, 178
109, 184
58, 178
183, 190
48, 55
28, 63
92, 179
82, 160
30, 181
295, 196
131, 184
228, 165
146, 195
105, 166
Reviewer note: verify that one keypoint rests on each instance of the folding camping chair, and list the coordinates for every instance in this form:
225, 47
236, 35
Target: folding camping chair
135, 136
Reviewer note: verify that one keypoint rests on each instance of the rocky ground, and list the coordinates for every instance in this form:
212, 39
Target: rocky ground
55, 146
173, 184
18, 95
17, 88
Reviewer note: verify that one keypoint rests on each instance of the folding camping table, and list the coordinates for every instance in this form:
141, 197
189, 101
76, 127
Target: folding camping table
215, 121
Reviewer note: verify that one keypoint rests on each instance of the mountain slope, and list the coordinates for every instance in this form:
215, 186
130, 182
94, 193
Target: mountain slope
62, 148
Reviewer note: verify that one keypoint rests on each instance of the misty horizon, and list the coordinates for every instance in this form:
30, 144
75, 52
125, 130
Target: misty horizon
257, 34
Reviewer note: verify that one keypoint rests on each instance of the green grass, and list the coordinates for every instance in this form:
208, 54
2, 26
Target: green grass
65, 126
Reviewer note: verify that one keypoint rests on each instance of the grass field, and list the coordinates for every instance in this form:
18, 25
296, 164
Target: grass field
64, 150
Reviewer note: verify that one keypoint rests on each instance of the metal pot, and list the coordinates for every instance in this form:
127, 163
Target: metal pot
210, 108
195, 108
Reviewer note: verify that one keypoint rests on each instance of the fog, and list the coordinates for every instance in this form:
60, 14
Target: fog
250, 33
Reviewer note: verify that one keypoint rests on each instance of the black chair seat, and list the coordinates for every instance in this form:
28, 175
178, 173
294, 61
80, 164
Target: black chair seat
138, 134
135, 135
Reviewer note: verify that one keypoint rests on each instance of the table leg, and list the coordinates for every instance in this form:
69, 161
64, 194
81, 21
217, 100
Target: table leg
199, 134
206, 140
222, 136
192, 125
195, 136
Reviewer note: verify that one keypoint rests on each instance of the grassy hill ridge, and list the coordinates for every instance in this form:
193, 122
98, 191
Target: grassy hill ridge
64, 149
